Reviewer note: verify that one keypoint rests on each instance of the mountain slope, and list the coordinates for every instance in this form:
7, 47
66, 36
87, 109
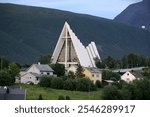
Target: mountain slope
137, 14
28, 32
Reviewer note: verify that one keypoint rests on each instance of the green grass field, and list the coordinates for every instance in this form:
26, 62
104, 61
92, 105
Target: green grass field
33, 92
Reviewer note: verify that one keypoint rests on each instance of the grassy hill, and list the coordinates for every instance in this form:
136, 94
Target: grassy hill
27, 32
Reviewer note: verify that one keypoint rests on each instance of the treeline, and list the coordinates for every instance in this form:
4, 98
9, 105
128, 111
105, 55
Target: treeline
8, 72
136, 90
129, 61
67, 83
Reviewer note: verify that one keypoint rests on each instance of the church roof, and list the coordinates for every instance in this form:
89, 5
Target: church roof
85, 55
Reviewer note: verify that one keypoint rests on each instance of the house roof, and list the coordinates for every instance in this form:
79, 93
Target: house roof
14, 93
93, 69
129, 69
44, 67
137, 74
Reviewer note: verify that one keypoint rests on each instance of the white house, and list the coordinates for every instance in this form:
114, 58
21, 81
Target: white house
34, 73
130, 76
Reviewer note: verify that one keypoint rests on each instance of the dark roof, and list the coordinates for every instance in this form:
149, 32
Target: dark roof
13, 94
129, 69
93, 69
24, 69
137, 74
44, 67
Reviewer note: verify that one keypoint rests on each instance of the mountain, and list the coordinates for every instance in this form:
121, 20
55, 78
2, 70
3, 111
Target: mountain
137, 14
27, 32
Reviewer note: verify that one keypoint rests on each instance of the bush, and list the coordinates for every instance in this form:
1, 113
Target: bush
45, 81
84, 84
110, 93
57, 83
40, 97
67, 97
69, 84
61, 97
98, 84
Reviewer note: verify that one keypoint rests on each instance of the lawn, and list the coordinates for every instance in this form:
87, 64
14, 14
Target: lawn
33, 92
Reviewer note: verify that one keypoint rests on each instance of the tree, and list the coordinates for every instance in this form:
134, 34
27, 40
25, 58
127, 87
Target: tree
110, 62
79, 72
14, 70
45, 59
57, 83
4, 63
69, 84
109, 75
59, 69
5, 78
100, 65
45, 81
111, 93
84, 84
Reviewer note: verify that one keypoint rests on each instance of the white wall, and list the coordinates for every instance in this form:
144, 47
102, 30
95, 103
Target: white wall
128, 77
29, 78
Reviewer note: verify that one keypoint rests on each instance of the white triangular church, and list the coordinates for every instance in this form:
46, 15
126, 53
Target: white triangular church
70, 51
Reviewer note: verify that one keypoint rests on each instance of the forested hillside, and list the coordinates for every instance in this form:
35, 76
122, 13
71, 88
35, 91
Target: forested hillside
27, 32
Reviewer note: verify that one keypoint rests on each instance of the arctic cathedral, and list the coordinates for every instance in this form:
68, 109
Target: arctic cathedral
70, 51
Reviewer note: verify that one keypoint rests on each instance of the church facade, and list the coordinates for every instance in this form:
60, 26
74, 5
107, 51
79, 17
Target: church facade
69, 50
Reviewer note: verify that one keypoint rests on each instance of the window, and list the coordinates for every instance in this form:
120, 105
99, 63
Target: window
47, 73
37, 78
97, 75
92, 75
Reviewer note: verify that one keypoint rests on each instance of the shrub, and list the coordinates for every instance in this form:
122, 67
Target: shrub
84, 84
69, 84
57, 83
45, 81
67, 97
61, 97
98, 84
111, 93
40, 97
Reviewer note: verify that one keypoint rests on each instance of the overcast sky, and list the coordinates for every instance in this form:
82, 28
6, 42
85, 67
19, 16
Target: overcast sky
102, 8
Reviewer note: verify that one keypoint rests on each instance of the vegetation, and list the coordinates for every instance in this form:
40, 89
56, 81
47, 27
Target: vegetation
8, 72
33, 92
5, 78
109, 75
36, 30
136, 90
45, 59
129, 61
78, 84
59, 69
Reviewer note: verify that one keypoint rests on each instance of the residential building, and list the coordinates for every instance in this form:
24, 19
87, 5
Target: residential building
93, 74
129, 76
34, 73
